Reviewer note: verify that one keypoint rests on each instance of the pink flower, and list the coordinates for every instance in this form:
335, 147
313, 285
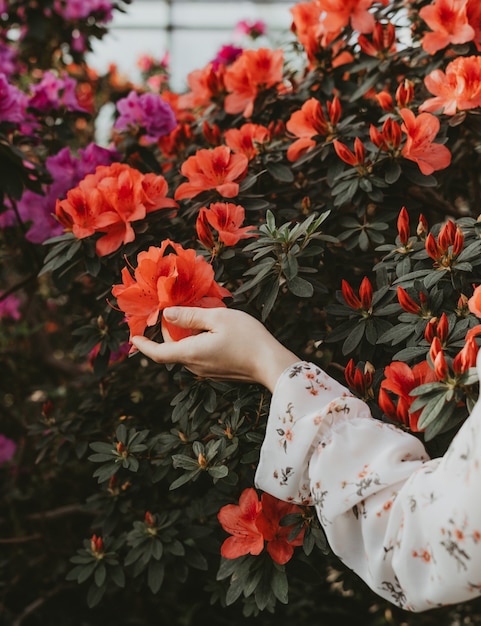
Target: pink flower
7, 449
9, 307
250, 28
80, 9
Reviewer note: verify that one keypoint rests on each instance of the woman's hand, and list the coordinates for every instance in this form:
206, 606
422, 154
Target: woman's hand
229, 344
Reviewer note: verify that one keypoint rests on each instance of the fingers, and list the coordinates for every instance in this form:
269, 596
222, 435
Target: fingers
194, 318
168, 352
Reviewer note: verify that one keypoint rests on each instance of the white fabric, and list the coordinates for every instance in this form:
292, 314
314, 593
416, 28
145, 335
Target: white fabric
408, 525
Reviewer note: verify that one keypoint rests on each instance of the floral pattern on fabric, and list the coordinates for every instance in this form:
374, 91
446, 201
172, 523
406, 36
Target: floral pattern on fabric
408, 525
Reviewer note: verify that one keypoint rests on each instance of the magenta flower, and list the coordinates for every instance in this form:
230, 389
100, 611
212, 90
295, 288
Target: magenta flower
10, 307
13, 102
226, 55
148, 112
54, 93
7, 58
7, 449
80, 9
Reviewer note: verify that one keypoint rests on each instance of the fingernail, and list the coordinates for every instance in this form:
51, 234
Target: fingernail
172, 313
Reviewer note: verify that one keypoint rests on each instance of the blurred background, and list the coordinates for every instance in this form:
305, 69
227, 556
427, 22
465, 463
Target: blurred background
191, 33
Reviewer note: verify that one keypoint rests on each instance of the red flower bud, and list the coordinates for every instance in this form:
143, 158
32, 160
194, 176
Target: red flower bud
344, 153
431, 329
466, 358
149, 519
432, 247
446, 235
405, 93
349, 296
365, 293
422, 227
334, 111
403, 226
96, 545
458, 243
406, 302
440, 366
442, 329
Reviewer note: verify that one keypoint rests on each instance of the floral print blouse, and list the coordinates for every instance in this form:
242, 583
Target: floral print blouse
408, 525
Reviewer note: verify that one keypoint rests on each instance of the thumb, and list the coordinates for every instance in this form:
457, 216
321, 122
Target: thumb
194, 318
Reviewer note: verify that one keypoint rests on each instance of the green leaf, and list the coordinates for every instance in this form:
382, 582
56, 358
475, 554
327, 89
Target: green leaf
155, 575
300, 287
354, 338
279, 584
95, 595
280, 172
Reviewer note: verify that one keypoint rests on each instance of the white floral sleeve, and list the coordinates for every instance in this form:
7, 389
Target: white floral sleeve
409, 526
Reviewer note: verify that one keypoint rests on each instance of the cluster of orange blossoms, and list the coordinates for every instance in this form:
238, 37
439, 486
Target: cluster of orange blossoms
253, 522
108, 201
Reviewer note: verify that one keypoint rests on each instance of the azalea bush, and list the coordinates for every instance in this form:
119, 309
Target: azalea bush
329, 188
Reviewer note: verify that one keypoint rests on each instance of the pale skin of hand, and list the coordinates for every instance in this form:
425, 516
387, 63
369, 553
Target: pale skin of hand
229, 345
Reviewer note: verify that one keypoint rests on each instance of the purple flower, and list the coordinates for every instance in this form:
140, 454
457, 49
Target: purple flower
148, 112
66, 171
226, 55
9, 307
80, 9
53, 93
13, 102
7, 449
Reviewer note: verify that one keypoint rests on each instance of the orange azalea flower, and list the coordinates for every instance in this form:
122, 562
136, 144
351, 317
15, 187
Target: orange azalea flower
205, 84
247, 138
108, 201
240, 521
338, 14
419, 147
279, 546
226, 218
400, 379
310, 122
306, 26
162, 279
218, 169
458, 89
449, 22
252, 522
252, 72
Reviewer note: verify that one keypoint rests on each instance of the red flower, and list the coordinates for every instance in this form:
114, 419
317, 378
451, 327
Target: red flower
356, 158
252, 72
252, 522
279, 546
389, 138
218, 169
449, 22
240, 521
162, 279
407, 303
400, 379
247, 139
108, 201
310, 122
205, 85
226, 218
457, 89
419, 147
